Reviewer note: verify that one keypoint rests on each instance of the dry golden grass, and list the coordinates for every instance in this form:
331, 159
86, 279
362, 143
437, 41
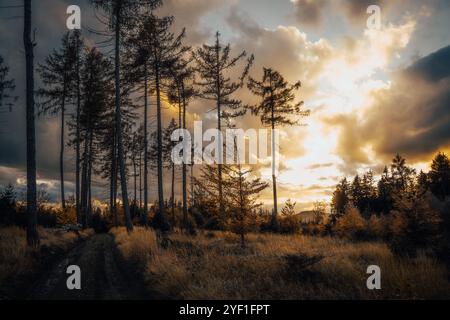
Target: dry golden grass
16, 258
215, 267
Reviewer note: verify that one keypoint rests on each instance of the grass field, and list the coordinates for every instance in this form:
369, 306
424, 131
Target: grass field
213, 266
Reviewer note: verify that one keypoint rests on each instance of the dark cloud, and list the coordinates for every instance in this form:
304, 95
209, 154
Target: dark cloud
309, 12
434, 67
243, 23
189, 15
411, 117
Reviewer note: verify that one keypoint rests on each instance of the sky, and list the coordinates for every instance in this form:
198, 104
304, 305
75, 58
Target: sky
372, 93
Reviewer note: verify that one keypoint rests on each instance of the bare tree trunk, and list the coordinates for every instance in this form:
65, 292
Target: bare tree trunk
192, 186
116, 173
135, 186
161, 216
274, 181
32, 233
89, 182
113, 182
84, 183
77, 169
61, 151
140, 180
123, 177
144, 217
219, 140
184, 183
172, 196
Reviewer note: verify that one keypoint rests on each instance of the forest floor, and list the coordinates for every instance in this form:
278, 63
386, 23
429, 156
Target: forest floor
41, 273
103, 275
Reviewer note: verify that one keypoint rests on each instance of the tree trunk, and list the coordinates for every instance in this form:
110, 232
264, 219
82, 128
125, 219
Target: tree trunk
116, 173
184, 183
144, 217
77, 160
89, 182
172, 195
274, 182
160, 215
135, 186
219, 140
32, 233
113, 182
140, 180
61, 151
123, 177
84, 191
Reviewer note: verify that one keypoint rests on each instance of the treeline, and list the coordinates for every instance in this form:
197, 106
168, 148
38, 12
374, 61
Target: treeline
407, 209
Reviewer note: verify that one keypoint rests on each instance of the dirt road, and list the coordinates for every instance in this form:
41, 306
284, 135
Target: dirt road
102, 275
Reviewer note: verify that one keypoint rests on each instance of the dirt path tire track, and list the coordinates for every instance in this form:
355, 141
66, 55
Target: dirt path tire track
101, 276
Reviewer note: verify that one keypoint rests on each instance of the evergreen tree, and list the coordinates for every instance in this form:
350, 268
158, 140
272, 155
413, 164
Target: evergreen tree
165, 49
242, 191
7, 205
384, 194
213, 65
289, 208
277, 108
58, 77
122, 18
341, 199
402, 176
181, 93
439, 176
6, 86
97, 90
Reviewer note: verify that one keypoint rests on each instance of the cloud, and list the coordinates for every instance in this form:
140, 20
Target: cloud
188, 14
309, 12
410, 117
319, 165
356, 10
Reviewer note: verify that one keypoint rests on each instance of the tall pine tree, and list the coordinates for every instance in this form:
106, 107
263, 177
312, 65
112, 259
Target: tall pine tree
276, 108
213, 65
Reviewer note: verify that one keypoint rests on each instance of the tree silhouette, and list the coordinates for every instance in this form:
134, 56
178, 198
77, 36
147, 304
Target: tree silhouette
58, 76
341, 198
181, 93
168, 145
6, 85
165, 49
402, 175
78, 47
439, 176
385, 188
32, 233
97, 89
122, 17
242, 193
277, 108
213, 63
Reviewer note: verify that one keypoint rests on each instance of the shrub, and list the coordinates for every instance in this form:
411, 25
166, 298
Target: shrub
375, 227
351, 225
289, 224
415, 224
